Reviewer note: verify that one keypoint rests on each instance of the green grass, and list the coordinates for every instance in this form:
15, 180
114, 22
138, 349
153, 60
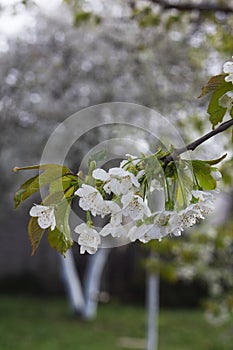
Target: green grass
44, 324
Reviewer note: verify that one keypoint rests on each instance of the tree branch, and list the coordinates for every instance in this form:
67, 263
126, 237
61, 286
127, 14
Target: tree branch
202, 7
193, 145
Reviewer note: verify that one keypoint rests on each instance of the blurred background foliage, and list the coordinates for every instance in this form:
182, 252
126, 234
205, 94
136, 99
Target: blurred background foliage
154, 53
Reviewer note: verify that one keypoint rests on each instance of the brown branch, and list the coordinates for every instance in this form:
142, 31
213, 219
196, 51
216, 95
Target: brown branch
202, 7
193, 145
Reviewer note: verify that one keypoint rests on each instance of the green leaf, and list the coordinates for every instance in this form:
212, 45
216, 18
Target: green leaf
202, 172
82, 17
51, 173
28, 188
213, 84
63, 183
216, 161
35, 233
58, 241
61, 238
215, 111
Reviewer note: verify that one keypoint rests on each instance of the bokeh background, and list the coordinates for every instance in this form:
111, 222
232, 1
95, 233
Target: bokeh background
58, 58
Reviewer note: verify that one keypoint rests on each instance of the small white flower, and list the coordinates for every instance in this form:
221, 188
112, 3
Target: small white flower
228, 69
206, 201
134, 206
118, 181
226, 100
187, 217
115, 211
88, 239
114, 231
45, 214
91, 199
140, 233
167, 223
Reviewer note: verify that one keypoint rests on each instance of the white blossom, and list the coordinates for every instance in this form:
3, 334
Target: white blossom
228, 69
186, 218
140, 232
206, 201
167, 222
115, 211
117, 180
114, 231
45, 214
92, 200
134, 206
88, 239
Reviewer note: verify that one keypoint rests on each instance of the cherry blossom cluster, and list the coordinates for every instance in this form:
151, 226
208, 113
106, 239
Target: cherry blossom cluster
121, 195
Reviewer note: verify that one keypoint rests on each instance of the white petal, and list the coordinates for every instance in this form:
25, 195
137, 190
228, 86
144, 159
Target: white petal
123, 186
117, 172
52, 220
114, 231
100, 174
114, 186
134, 180
216, 175
228, 67
80, 228
123, 163
107, 188
127, 198
84, 204
37, 210
44, 222
140, 174
229, 78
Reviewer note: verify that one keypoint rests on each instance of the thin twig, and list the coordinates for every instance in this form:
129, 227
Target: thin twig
193, 145
202, 7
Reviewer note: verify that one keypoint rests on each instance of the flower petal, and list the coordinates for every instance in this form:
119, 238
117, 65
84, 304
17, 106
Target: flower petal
100, 174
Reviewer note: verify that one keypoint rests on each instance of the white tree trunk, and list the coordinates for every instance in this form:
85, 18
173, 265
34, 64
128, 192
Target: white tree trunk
83, 303
152, 290
92, 281
72, 283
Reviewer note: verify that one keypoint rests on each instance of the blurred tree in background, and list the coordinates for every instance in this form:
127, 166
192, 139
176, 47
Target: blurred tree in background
153, 53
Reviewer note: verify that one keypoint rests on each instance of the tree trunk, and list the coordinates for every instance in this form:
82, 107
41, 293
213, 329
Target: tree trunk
92, 281
72, 283
152, 289
83, 303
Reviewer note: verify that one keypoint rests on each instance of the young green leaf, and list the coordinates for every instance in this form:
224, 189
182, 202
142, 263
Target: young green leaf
61, 238
35, 233
213, 84
63, 183
202, 172
59, 241
25, 190
216, 111
51, 173
215, 161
